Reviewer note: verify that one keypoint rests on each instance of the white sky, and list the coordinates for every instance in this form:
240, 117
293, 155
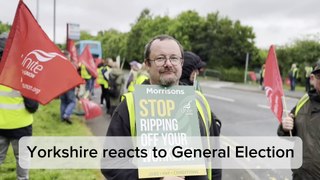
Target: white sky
274, 21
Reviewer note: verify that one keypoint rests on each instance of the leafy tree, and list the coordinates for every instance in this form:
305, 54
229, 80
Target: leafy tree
301, 52
186, 27
113, 43
84, 35
4, 27
142, 31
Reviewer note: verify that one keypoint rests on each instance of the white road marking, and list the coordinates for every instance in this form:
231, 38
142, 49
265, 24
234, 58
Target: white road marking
267, 107
219, 98
216, 85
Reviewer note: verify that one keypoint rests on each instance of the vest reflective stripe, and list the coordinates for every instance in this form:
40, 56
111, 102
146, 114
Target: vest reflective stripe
132, 117
300, 103
12, 106
141, 78
12, 110
206, 116
10, 94
131, 86
84, 72
207, 119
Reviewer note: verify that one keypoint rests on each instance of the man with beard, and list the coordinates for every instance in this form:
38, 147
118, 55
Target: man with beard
304, 122
163, 57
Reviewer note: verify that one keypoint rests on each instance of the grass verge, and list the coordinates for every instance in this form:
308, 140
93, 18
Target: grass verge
47, 123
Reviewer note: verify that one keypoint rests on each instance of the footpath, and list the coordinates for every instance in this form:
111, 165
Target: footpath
99, 125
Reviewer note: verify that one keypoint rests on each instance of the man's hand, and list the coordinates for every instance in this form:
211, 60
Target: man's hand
287, 123
173, 178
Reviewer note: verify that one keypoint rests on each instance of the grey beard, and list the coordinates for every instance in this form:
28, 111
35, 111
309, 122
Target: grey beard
168, 82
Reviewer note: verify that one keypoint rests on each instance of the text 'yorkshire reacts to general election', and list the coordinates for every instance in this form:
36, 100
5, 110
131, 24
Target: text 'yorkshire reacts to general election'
92, 152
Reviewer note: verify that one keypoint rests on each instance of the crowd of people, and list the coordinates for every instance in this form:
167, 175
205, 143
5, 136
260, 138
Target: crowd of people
167, 64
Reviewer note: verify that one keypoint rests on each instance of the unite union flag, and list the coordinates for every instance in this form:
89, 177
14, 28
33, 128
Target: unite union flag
273, 84
88, 61
71, 48
91, 109
32, 63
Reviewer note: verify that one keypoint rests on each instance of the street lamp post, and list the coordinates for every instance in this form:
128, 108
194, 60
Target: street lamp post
37, 15
54, 21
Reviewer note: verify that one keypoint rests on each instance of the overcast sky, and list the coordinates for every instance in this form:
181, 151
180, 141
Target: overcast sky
274, 21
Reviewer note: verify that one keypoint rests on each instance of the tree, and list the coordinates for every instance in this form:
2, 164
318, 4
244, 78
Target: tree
113, 43
4, 27
142, 31
186, 28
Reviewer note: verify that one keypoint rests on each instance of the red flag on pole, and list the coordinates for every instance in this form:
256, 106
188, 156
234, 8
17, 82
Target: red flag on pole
87, 59
91, 109
273, 84
73, 51
32, 63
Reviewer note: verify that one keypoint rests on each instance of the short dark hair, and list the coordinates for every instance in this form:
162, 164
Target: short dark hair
316, 67
160, 38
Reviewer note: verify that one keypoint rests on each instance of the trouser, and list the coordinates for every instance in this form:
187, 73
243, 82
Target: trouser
103, 94
68, 103
66, 109
22, 174
292, 84
308, 84
90, 86
107, 97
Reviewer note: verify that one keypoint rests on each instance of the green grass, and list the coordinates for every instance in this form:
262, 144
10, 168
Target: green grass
47, 123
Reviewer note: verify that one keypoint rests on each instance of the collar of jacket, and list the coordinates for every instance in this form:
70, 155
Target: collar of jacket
314, 95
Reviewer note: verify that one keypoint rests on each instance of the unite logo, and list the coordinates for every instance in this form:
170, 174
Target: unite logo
31, 61
273, 99
269, 92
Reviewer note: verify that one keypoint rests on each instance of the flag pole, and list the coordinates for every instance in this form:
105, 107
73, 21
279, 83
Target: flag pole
124, 59
285, 110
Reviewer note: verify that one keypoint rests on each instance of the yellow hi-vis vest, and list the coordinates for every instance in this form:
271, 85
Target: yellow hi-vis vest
300, 103
202, 106
100, 79
84, 73
308, 70
141, 78
13, 113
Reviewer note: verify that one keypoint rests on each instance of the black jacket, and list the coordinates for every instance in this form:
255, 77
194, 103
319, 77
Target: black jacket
306, 126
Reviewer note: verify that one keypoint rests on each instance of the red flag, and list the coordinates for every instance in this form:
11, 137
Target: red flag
73, 51
97, 61
32, 63
87, 59
90, 109
273, 84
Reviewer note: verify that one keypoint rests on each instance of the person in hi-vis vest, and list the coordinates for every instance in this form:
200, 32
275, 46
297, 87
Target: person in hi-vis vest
304, 121
15, 119
164, 58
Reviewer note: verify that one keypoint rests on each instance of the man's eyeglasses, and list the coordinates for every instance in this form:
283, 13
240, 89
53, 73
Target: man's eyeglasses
161, 60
